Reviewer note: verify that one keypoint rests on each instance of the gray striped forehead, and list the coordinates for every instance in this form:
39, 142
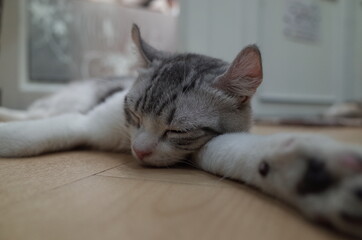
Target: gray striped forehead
176, 78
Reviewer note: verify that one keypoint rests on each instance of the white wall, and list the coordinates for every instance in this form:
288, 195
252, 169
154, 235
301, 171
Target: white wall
218, 28
300, 77
357, 49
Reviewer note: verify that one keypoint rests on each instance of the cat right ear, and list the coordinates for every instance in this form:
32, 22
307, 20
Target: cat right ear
147, 53
244, 74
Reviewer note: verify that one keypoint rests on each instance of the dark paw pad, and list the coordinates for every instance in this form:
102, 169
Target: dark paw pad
358, 193
264, 168
350, 218
316, 178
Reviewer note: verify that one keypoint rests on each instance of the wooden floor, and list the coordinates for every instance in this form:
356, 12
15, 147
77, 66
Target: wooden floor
93, 195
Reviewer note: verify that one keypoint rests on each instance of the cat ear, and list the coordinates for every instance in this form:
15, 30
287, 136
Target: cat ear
244, 75
147, 52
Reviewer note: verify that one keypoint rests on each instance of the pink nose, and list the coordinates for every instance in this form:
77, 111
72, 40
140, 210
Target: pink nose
141, 154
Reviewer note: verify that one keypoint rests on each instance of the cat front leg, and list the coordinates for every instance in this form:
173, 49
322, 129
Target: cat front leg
30, 138
319, 176
102, 128
9, 115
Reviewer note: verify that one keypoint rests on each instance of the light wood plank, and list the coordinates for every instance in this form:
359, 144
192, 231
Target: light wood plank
178, 174
24, 177
116, 208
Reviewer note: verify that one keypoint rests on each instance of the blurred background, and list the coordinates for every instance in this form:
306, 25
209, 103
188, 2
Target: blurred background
312, 49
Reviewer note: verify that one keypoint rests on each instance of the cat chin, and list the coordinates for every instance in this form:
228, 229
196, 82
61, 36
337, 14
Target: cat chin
157, 162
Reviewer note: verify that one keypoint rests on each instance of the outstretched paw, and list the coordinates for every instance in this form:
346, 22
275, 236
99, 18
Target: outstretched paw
321, 177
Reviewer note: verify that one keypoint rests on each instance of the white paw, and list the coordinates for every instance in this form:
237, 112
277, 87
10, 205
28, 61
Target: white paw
16, 141
7, 143
321, 177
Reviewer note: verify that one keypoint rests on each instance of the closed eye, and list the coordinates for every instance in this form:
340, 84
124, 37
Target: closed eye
207, 130
132, 118
177, 131
210, 131
134, 115
188, 140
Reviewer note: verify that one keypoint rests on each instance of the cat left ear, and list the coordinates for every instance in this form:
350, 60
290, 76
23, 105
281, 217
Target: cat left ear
244, 75
147, 52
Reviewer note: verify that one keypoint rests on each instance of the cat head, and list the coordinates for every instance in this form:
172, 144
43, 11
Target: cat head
180, 101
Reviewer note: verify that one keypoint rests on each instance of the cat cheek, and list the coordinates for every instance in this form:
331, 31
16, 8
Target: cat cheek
132, 133
165, 148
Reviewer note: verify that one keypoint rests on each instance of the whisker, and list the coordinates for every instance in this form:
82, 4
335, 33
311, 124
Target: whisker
189, 164
220, 179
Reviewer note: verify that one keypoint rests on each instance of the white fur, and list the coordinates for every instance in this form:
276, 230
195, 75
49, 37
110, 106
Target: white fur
77, 97
238, 156
103, 128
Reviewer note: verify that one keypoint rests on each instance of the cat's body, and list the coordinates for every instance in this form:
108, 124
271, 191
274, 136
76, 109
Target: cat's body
78, 97
188, 107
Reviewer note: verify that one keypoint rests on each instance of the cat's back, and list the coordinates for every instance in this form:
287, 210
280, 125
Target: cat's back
81, 96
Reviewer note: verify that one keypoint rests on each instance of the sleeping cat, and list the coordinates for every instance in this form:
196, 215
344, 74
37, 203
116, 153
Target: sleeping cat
196, 108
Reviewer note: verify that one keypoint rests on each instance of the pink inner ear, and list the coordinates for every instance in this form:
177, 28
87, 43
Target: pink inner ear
244, 74
247, 65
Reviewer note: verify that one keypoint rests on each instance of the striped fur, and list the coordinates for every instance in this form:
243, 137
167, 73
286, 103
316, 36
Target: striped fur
181, 101
176, 93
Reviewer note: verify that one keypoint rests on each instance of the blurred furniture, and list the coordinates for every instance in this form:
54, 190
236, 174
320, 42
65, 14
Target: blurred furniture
47, 44
312, 54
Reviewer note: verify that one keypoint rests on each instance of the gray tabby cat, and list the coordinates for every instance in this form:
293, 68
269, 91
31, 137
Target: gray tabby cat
194, 107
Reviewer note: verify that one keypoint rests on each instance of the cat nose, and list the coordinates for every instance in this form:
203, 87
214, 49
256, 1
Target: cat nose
141, 154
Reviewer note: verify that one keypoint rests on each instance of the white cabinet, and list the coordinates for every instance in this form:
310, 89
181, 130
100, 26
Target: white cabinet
301, 76
357, 43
